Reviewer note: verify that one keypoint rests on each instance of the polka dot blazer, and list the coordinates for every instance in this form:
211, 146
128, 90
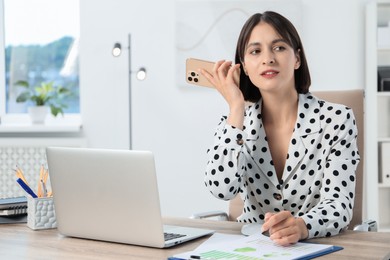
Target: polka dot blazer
318, 182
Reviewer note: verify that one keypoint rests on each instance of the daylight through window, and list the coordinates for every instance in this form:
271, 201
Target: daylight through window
41, 46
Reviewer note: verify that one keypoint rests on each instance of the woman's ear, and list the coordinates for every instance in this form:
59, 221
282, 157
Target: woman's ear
244, 68
298, 59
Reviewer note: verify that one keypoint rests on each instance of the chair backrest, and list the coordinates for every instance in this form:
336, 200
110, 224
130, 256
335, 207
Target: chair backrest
355, 100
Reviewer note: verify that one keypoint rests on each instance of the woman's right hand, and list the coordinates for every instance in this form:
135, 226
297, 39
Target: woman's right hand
225, 78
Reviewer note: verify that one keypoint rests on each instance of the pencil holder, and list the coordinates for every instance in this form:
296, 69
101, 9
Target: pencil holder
41, 213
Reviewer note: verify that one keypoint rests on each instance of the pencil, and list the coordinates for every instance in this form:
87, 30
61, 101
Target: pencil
20, 175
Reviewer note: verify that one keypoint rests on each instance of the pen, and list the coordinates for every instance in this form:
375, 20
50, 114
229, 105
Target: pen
198, 257
26, 188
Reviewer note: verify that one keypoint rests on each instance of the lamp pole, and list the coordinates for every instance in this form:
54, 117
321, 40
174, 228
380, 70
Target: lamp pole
130, 102
141, 75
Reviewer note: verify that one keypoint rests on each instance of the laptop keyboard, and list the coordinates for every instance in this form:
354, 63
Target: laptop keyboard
170, 236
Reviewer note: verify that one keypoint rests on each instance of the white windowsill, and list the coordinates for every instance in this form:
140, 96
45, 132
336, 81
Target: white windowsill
20, 123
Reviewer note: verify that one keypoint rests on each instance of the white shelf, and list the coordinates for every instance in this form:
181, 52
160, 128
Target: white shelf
21, 123
383, 94
383, 48
29, 128
377, 115
384, 186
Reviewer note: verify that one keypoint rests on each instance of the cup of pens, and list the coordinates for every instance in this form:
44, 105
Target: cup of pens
41, 213
40, 205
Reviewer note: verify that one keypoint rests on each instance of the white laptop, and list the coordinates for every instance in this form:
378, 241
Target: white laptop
110, 195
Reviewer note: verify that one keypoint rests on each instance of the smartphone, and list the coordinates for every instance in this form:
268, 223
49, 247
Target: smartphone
193, 76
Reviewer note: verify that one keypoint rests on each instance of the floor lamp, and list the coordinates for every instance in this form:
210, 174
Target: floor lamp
140, 75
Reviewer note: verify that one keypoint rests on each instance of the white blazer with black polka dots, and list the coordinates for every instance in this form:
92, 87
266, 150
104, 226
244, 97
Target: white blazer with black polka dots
318, 182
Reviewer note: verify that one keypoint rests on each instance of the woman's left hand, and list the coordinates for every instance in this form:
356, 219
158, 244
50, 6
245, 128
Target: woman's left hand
284, 229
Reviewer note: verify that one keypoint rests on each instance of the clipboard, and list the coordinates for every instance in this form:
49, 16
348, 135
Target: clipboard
328, 251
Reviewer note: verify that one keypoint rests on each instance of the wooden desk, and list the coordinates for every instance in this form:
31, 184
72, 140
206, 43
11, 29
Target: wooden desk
17, 241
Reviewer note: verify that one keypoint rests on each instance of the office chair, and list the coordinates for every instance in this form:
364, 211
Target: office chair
355, 100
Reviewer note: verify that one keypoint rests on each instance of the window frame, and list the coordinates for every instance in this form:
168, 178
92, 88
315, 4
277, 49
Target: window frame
22, 120
2, 63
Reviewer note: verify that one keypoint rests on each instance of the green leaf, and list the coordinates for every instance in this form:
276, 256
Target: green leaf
63, 90
38, 100
21, 83
45, 94
23, 97
56, 110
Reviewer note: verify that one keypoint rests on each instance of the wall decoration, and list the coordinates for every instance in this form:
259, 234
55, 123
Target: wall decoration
209, 30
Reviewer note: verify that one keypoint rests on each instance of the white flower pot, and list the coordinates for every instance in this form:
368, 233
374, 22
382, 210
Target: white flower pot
38, 114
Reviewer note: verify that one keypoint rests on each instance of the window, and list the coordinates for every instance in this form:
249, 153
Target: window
40, 45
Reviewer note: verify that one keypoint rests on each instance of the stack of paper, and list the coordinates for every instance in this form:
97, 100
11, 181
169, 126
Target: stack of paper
254, 247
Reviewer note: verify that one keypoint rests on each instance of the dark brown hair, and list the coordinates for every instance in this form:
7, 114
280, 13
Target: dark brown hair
288, 33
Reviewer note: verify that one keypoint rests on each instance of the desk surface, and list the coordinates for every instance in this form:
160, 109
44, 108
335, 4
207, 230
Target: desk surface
17, 241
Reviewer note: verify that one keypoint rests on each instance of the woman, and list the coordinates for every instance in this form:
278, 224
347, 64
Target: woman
291, 156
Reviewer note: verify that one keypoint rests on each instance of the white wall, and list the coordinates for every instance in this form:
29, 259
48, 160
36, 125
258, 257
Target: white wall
177, 123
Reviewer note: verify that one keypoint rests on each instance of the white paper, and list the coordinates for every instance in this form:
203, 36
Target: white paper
254, 247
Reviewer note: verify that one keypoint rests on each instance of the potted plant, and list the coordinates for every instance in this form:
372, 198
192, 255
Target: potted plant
44, 96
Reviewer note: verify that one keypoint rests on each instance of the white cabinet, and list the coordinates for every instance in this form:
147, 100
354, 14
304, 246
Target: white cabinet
377, 115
